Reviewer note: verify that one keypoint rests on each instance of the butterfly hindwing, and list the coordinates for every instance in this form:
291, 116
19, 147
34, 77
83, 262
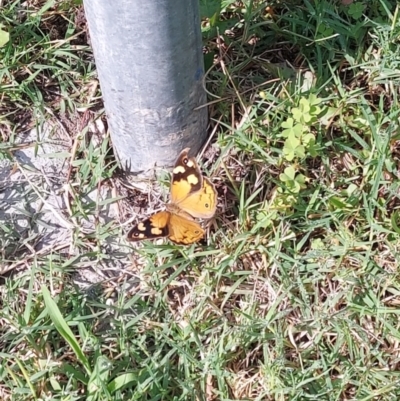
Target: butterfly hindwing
184, 231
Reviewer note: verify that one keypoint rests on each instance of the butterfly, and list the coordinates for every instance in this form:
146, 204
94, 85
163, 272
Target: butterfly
191, 196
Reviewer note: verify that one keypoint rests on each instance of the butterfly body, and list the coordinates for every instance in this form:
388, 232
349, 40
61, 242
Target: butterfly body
192, 196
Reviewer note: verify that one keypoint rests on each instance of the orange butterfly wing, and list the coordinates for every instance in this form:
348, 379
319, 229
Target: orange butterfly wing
155, 226
192, 195
165, 224
190, 191
184, 231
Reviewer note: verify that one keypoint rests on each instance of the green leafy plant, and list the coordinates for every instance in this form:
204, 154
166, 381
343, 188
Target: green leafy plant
300, 141
293, 182
324, 31
356, 10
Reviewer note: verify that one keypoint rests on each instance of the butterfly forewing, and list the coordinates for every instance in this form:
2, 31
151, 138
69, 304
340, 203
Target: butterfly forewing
190, 191
186, 177
155, 226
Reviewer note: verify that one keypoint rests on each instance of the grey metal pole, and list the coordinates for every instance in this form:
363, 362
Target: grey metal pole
149, 59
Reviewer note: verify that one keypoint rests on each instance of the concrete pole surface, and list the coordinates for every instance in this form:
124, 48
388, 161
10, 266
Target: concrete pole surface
150, 66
